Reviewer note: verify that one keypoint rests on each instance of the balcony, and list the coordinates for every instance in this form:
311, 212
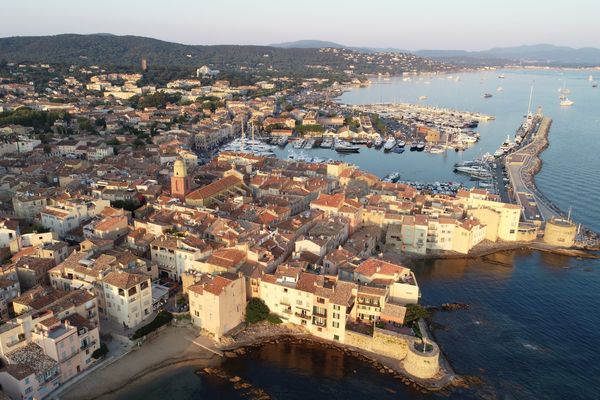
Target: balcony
21, 339
318, 322
319, 312
87, 345
302, 315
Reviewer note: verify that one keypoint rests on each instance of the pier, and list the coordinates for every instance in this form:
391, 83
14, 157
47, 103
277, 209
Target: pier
522, 166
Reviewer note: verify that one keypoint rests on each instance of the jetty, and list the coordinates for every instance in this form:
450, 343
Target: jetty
522, 165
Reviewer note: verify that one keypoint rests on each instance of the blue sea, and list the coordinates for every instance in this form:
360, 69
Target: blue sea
532, 329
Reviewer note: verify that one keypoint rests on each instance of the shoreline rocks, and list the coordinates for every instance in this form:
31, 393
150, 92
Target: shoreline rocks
454, 306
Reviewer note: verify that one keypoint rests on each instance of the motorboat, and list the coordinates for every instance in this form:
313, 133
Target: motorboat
344, 147
326, 143
389, 144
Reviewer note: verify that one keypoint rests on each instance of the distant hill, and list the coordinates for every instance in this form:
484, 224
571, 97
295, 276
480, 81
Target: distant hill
106, 49
539, 54
308, 44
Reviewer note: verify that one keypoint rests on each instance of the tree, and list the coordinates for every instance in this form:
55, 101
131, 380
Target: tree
256, 311
138, 143
414, 312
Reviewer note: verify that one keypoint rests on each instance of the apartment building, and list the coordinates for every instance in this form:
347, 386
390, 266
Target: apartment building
218, 303
128, 297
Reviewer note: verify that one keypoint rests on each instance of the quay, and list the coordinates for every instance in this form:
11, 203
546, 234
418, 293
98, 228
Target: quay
522, 166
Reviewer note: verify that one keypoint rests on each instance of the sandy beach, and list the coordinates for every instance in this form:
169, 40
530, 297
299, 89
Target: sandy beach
166, 349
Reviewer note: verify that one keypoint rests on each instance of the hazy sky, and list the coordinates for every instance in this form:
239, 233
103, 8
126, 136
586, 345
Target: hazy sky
414, 24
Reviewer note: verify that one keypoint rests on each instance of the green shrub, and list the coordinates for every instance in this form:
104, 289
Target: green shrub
274, 319
256, 311
163, 318
415, 312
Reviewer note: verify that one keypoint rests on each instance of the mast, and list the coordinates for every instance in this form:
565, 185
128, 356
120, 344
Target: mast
530, 96
243, 134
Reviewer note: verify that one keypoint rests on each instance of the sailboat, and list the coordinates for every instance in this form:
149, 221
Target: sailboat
564, 100
564, 90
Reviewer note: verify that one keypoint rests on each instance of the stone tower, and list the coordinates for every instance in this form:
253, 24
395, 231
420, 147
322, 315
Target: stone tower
180, 181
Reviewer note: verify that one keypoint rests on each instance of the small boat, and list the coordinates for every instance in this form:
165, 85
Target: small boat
487, 95
310, 143
299, 144
401, 143
413, 146
501, 76
420, 146
437, 149
369, 143
499, 89
326, 143
566, 102
393, 177
283, 141
398, 150
594, 85
422, 97
378, 143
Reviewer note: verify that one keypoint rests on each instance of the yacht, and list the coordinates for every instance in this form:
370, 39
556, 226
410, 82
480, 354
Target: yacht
310, 143
393, 177
299, 144
401, 143
422, 97
437, 149
283, 141
413, 146
473, 169
466, 138
389, 144
327, 143
420, 146
398, 150
566, 102
345, 147
378, 143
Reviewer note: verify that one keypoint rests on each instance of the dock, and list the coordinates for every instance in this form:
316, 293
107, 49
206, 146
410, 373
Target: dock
522, 166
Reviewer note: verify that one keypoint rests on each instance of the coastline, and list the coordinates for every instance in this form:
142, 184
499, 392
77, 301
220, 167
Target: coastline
264, 333
167, 349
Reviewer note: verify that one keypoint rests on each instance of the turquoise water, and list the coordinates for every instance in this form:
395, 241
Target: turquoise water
531, 332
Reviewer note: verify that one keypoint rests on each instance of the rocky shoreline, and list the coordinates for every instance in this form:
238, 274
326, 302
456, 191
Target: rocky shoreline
264, 333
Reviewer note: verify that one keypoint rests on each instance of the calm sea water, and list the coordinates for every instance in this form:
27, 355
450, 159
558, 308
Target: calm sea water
531, 332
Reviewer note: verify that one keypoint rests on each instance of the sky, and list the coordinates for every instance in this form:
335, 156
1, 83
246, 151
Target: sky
405, 24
